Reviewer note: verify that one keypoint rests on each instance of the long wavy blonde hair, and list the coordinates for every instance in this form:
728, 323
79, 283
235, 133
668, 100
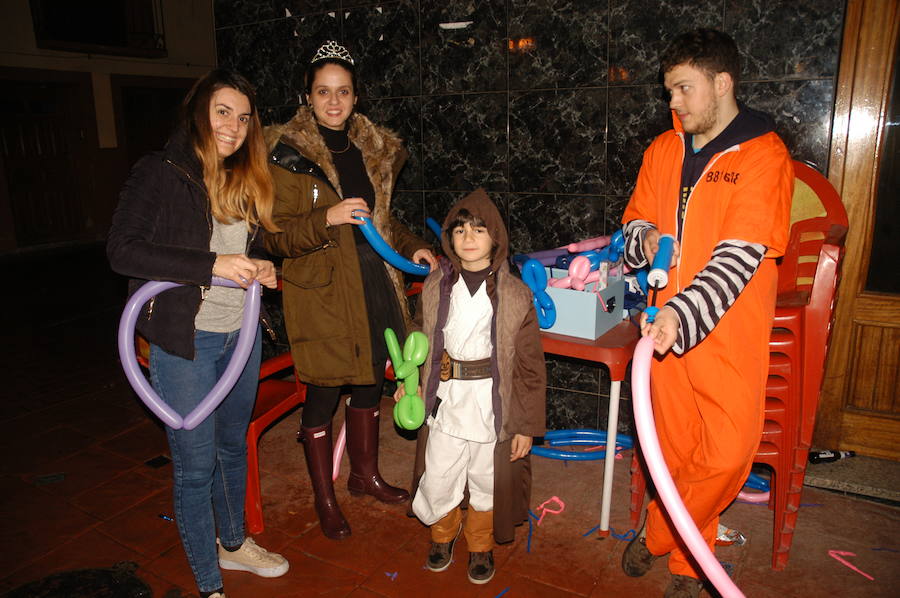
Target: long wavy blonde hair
240, 187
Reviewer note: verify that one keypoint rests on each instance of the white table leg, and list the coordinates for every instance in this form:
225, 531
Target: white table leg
612, 426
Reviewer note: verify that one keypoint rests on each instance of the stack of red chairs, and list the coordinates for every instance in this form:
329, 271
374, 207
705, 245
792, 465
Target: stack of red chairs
807, 283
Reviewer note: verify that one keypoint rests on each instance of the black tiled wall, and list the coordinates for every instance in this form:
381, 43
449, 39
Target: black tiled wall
548, 104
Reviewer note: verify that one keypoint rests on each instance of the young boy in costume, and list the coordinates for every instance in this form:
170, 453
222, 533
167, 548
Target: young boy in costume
485, 391
721, 182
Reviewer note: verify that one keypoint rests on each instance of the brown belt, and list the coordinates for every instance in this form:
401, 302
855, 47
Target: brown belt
464, 370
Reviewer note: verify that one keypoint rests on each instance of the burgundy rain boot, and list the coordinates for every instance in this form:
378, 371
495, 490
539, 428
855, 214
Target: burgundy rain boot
362, 447
318, 450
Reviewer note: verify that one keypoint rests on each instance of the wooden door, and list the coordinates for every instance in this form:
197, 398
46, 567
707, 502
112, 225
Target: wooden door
44, 144
860, 408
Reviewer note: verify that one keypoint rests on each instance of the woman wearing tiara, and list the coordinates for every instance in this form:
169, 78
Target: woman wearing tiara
331, 166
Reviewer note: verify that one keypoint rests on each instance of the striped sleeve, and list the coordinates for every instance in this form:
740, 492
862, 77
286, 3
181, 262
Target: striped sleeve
634, 236
714, 289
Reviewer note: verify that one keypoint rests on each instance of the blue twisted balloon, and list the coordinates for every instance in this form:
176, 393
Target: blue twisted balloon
387, 252
434, 226
534, 275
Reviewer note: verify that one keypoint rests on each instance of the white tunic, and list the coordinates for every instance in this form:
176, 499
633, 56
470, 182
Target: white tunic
466, 409
460, 449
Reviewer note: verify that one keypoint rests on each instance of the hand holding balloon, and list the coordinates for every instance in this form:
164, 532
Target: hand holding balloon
663, 329
349, 211
425, 255
387, 253
265, 273
235, 267
409, 412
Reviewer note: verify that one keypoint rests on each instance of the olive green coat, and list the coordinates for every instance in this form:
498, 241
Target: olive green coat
324, 306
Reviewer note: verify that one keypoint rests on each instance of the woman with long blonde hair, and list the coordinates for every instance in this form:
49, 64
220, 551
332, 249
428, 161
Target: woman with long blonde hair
186, 214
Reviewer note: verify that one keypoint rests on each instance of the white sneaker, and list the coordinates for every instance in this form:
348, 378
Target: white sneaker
217, 595
253, 558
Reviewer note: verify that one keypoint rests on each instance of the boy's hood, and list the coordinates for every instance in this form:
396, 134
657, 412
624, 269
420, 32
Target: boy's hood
479, 204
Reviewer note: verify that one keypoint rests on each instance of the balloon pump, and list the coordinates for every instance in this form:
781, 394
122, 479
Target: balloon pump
659, 273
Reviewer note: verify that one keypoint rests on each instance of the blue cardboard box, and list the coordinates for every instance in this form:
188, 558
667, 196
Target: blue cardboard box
579, 313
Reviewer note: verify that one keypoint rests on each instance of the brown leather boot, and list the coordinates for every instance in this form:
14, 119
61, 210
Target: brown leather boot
637, 558
682, 586
362, 447
318, 450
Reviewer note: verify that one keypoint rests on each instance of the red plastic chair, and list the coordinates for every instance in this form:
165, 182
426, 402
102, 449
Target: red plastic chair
808, 275
274, 399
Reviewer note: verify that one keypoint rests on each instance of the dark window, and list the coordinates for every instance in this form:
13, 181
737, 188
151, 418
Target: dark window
884, 274
119, 27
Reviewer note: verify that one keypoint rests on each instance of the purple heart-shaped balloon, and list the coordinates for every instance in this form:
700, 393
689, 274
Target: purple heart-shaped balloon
221, 389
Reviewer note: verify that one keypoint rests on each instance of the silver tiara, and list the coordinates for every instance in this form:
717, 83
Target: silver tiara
332, 49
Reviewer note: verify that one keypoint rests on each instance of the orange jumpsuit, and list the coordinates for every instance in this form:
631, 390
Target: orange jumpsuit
709, 402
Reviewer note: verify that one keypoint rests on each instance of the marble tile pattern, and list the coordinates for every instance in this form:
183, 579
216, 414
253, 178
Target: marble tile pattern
557, 44
548, 104
464, 141
794, 40
539, 221
802, 112
384, 41
557, 141
463, 46
273, 54
639, 30
403, 116
236, 12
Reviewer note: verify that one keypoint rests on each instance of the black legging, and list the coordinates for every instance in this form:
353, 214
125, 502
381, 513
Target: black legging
322, 401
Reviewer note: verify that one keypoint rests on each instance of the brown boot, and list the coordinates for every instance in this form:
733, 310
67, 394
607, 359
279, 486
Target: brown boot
479, 531
318, 449
443, 537
683, 586
637, 559
362, 447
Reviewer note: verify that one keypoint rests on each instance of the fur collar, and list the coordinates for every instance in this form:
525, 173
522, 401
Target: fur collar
382, 150
382, 153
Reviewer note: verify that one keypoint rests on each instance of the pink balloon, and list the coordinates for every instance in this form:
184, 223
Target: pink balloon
579, 268
560, 283
754, 497
338, 452
665, 487
588, 244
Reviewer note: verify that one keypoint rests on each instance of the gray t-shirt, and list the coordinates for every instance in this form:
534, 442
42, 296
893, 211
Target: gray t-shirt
223, 307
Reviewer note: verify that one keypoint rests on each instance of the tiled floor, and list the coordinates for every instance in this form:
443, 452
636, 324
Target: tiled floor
77, 492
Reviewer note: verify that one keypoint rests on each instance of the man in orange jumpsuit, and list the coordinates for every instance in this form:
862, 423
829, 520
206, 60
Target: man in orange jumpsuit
721, 183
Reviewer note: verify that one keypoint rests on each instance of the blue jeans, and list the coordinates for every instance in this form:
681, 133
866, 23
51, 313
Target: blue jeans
210, 461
